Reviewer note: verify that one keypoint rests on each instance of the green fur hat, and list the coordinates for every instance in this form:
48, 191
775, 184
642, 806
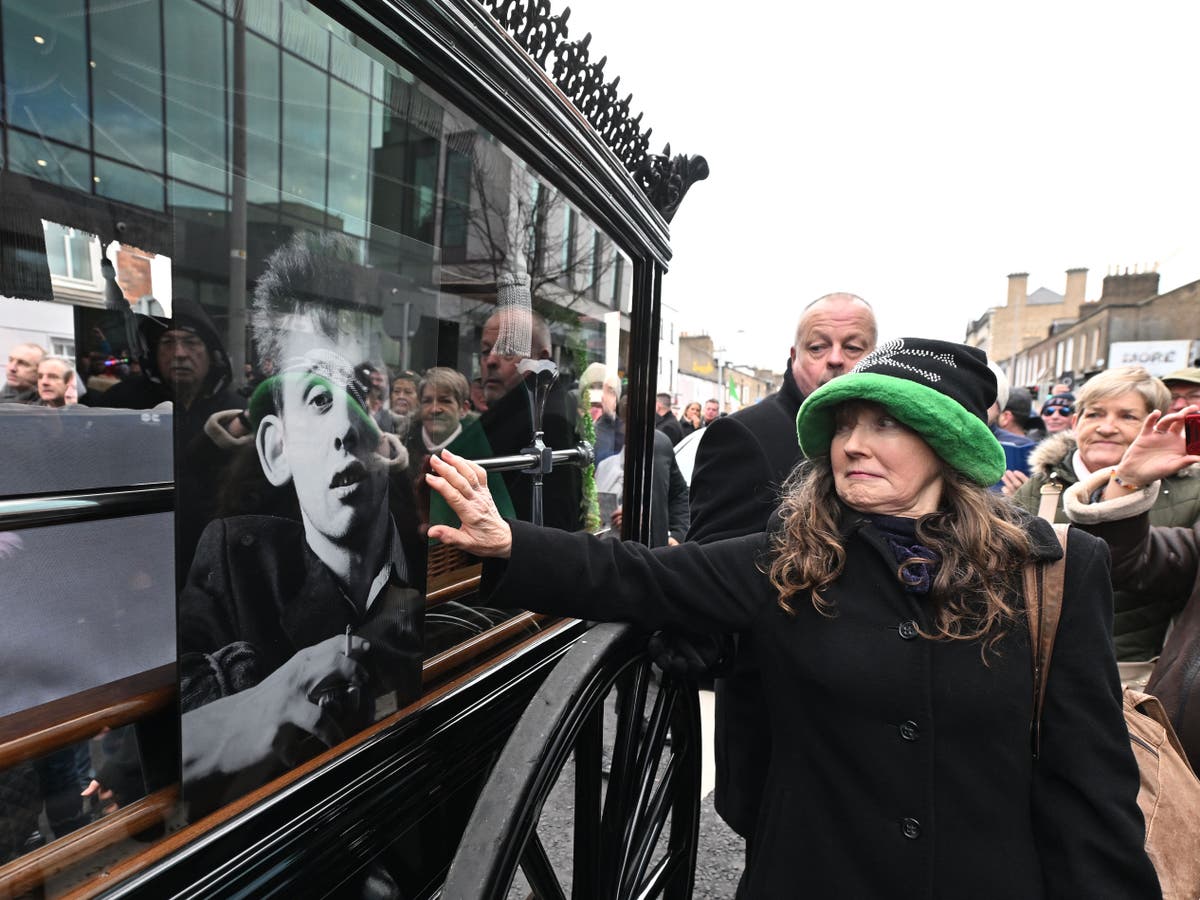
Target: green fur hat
939, 389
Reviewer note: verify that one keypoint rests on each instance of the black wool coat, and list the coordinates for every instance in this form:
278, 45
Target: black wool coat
742, 461
255, 596
901, 767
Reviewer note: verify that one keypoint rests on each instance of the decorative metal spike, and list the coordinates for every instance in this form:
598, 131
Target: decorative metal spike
664, 178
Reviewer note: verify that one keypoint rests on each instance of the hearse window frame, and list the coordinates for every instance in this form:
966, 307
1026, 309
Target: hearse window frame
568, 159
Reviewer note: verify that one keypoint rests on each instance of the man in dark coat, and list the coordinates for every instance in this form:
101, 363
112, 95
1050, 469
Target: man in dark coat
741, 463
508, 422
664, 419
185, 365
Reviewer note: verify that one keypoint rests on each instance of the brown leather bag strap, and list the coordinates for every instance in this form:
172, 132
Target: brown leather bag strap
1044, 583
1048, 500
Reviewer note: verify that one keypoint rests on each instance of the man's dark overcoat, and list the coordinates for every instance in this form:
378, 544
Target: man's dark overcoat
740, 464
900, 767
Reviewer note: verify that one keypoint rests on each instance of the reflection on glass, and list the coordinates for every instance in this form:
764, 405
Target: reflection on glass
262, 120
408, 284
196, 126
126, 87
304, 131
49, 797
129, 185
45, 68
48, 161
349, 132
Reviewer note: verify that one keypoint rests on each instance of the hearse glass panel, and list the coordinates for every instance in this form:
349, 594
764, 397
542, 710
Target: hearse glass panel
252, 275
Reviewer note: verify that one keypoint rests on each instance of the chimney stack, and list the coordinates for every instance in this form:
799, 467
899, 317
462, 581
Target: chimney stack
1018, 289
1129, 287
1076, 287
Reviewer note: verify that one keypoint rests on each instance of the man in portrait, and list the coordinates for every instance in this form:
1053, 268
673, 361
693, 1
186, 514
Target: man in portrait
298, 630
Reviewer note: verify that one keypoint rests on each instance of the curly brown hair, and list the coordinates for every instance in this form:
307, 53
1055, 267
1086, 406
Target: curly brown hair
977, 536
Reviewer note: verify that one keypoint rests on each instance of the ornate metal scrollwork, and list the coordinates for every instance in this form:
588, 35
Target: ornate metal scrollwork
543, 35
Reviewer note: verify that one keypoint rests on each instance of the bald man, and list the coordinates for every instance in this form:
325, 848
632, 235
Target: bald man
508, 423
20, 385
742, 461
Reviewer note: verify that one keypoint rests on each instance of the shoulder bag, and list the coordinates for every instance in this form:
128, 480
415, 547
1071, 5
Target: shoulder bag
1169, 796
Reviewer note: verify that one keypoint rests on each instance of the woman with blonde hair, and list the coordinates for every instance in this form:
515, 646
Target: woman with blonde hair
1110, 409
889, 622
691, 420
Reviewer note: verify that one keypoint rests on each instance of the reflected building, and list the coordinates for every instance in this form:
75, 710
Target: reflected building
123, 117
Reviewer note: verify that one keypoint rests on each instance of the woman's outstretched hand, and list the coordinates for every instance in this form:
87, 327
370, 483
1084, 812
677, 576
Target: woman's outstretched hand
1159, 450
464, 486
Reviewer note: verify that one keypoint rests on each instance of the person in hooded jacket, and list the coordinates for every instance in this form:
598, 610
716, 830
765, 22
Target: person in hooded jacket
185, 365
1109, 413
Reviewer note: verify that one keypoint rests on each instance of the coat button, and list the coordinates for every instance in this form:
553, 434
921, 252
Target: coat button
910, 730
911, 828
247, 540
908, 630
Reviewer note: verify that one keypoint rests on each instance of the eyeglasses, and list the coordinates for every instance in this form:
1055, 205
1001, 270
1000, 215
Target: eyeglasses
1063, 411
1186, 396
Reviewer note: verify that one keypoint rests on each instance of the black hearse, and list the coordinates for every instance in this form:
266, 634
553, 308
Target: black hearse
258, 260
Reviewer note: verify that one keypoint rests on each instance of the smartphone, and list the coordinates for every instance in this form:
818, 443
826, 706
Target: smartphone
1191, 431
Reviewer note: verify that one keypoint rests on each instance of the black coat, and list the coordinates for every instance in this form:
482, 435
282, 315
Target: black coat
508, 425
901, 767
668, 495
740, 464
255, 596
1166, 562
669, 425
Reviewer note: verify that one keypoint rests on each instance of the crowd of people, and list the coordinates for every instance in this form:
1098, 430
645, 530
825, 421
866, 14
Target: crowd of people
301, 513
860, 535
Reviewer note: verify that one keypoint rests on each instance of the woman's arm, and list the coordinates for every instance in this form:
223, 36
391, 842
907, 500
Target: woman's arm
711, 588
1087, 824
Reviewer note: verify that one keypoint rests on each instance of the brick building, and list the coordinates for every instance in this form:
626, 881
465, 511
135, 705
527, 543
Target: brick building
1129, 309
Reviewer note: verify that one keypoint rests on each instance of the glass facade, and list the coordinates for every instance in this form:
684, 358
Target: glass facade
282, 272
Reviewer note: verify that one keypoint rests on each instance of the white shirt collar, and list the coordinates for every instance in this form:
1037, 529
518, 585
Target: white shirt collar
434, 448
395, 563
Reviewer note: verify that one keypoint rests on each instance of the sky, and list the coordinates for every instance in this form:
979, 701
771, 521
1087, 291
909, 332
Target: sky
913, 153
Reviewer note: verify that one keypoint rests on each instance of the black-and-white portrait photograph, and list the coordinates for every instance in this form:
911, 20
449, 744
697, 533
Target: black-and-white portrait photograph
301, 618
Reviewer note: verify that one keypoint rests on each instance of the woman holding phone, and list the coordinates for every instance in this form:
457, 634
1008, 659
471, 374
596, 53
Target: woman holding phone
1148, 557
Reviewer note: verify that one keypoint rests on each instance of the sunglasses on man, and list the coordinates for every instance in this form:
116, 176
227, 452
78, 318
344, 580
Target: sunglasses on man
1063, 411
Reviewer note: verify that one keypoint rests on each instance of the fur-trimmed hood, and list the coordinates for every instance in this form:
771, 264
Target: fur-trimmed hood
1052, 453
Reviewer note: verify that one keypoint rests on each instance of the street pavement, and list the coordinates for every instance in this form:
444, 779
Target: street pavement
721, 854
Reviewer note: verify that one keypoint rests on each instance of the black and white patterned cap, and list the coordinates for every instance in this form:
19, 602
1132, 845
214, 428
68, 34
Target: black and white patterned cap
939, 389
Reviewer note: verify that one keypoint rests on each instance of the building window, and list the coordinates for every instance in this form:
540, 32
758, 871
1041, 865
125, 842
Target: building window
71, 253
618, 271
597, 263
568, 245
534, 227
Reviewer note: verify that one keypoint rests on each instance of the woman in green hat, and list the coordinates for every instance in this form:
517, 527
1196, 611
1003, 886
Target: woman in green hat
889, 621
